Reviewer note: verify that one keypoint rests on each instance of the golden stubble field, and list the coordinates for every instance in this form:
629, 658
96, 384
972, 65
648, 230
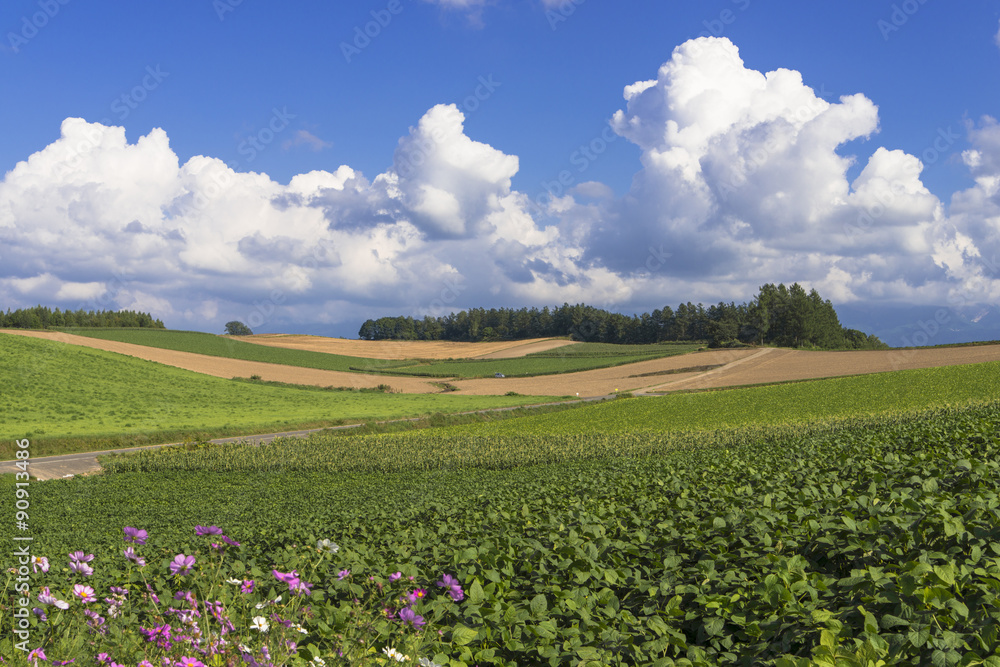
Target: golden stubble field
398, 349
733, 367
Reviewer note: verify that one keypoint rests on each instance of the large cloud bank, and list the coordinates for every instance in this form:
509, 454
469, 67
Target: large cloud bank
740, 183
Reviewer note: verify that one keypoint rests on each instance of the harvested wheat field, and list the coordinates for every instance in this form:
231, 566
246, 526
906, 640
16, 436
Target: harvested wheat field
782, 365
604, 381
698, 370
230, 368
407, 349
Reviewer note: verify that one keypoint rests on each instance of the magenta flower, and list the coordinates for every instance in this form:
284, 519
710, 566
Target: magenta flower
46, 597
247, 586
80, 558
81, 568
343, 574
39, 563
181, 564
118, 590
135, 535
395, 576
454, 588
187, 596
133, 556
230, 541
298, 586
189, 662
36, 655
418, 594
83, 593
411, 618
211, 530
295, 584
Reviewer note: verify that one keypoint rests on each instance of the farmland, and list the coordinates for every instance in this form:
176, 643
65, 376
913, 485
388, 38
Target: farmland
851, 518
798, 402
582, 357
54, 391
230, 348
533, 364
874, 537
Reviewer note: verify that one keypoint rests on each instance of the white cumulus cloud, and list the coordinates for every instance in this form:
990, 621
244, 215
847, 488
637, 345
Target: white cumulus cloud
743, 179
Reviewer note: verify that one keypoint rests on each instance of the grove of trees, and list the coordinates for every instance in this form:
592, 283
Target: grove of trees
42, 317
778, 315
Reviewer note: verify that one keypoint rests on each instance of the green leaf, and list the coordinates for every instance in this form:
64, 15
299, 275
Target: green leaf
946, 573
539, 604
890, 621
919, 637
476, 595
462, 635
714, 625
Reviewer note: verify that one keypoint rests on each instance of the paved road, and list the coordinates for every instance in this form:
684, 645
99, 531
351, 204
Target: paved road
68, 465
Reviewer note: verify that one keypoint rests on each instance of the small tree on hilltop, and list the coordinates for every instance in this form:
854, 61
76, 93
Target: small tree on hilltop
237, 328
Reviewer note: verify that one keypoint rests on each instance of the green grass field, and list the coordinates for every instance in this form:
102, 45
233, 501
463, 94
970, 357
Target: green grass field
53, 391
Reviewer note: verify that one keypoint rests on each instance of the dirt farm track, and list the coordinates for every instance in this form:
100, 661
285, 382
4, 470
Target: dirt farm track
734, 367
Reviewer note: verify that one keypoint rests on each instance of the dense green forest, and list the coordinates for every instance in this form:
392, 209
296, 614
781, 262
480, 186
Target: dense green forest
42, 317
779, 315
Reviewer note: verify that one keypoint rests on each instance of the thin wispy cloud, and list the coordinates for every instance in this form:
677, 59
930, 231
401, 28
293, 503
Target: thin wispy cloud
307, 139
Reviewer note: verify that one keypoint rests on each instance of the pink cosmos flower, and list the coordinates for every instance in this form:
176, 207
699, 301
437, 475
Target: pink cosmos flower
181, 564
454, 588
39, 563
211, 530
133, 556
81, 568
411, 618
135, 535
83, 593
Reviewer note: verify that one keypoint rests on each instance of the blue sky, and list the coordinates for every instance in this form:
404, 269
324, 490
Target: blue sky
193, 213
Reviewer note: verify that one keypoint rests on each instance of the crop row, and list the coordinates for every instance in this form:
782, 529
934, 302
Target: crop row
877, 539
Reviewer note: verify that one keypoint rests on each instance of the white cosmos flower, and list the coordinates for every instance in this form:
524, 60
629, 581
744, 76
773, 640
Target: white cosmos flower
327, 546
394, 654
259, 623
